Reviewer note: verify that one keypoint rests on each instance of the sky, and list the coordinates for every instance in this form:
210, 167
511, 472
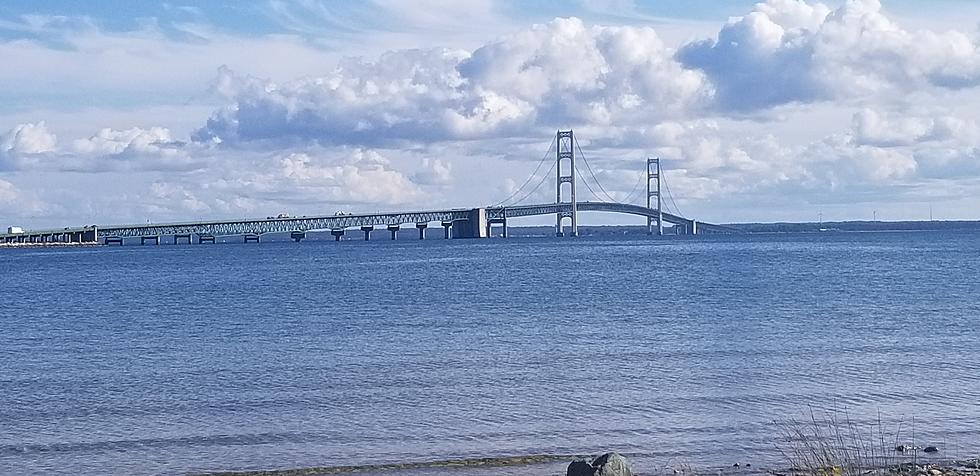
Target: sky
785, 110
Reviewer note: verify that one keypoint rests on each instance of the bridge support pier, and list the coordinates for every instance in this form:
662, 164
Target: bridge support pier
154, 239
393, 229
337, 234
474, 226
297, 236
446, 226
421, 227
184, 236
90, 236
367, 232
497, 221
201, 239
113, 239
251, 238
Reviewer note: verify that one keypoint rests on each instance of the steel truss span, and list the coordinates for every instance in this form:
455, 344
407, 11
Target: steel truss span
285, 225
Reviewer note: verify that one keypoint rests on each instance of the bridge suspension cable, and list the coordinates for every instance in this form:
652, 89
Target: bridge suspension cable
540, 182
589, 167
636, 188
530, 177
670, 196
596, 195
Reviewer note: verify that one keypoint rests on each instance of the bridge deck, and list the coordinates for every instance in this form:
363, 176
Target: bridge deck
339, 222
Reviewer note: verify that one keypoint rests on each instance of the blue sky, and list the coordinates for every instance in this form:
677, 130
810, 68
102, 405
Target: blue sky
780, 110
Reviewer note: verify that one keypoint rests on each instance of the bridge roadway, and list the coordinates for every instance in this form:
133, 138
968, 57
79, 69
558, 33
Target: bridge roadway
338, 223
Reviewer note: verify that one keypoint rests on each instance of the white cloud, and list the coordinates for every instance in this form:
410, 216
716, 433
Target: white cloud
31, 138
17, 203
791, 51
872, 127
342, 177
523, 81
434, 172
8, 192
134, 149
177, 197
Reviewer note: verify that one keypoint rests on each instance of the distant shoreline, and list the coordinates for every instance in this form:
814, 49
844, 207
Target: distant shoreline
48, 245
771, 227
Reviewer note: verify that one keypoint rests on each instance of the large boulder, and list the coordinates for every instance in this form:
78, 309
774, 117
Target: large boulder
609, 464
580, 467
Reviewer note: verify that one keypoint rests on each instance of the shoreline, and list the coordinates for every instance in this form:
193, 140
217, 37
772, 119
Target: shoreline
556, 464
395, 468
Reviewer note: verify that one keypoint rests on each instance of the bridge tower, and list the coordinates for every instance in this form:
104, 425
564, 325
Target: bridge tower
566, 151
653, 172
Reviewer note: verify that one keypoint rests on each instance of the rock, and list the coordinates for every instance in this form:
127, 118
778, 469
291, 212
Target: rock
935, 472
611, 464
931, 449
903, 448
580, 468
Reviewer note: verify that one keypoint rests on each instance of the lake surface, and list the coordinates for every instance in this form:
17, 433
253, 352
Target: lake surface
183, 359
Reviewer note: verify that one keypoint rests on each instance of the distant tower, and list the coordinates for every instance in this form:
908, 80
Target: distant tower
653, 172
566, 147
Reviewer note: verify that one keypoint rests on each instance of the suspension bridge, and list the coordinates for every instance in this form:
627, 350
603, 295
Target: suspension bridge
456, 222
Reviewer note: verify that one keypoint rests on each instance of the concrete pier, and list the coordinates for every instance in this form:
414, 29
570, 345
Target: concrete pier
393, 229
155, 239
186, 236
297, 236
421, 227
446, 226
337, 234
367, 232
475, 225
497, 221
205, 239
251, 238
90, 236
109, 240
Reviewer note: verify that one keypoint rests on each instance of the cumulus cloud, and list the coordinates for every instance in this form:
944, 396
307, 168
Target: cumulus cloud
559, 72
20, 146
355, 177
8, 192
31, 138
434, 172
32, 147
132, 149
177, 196
788, 51
18, 203
872, 127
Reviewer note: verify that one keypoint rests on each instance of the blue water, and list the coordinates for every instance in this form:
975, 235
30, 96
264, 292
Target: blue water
182, 359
